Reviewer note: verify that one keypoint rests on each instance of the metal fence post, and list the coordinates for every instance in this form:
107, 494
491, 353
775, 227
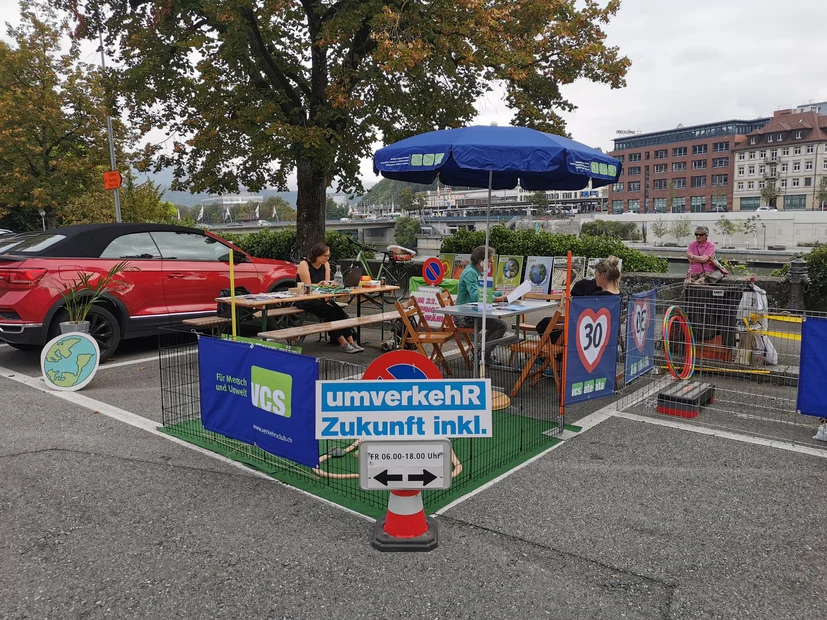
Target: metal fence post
797, 278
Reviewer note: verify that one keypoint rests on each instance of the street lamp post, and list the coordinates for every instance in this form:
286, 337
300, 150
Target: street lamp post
43, 218
112, 162
764, 226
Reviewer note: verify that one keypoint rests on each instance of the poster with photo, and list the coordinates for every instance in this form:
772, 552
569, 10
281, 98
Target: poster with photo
509, 273
538, 273
461, 261
558, 272
594, 261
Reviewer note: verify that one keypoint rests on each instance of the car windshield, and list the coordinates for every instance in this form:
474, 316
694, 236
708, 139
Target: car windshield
29, 244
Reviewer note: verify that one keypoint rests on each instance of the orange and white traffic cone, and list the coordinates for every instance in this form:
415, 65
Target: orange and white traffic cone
405, 526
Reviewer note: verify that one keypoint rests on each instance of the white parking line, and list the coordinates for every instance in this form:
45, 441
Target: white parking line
151, 427
140, 360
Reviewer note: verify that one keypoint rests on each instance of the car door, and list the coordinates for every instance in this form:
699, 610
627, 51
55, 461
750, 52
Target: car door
144, 297
195, 269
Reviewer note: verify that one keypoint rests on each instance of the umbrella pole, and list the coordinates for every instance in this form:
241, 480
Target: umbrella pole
485, 271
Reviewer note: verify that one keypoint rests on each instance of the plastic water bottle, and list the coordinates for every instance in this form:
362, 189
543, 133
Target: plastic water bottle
338, 278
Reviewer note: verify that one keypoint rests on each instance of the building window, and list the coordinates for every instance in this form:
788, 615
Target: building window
774, 154
741, 156
740, 186
659, 184
810, 149
634, 206
795, 203
808, 165
779, 137
660, 205
785, 151
751, 170
634, 157
718, 201
617, 187
698, 204
762, 154
679, 151
784, 167
769, 138
622, 158
824, 165
796, 182
752, 154
808, 181
751, 185
761, 184
753, 140
634, 186
679, 183
699, 181
740, 171
647, 155
678, 166
699, 149
678, 205
720, 162
797, 150
720, 180
796, 166
699, 164
798, 135
662, 154
750, 204
617, 206
660, 168
633, 171
761, 169
720, 147
783, 182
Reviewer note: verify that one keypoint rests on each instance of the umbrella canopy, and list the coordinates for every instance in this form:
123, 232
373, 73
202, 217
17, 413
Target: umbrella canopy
512, 155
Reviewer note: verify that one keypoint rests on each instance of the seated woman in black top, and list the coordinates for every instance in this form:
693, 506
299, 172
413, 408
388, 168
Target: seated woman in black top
316, 270
606, 282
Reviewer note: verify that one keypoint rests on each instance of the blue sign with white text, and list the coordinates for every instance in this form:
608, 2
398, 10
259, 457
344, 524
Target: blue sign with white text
591, 359
260, 396
403, 409
812, 395
640, 335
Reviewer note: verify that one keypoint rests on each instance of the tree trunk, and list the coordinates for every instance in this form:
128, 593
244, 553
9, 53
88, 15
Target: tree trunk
310, 206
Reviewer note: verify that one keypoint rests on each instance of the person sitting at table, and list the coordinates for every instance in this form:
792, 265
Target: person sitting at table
315, 269
606, 282
468, 292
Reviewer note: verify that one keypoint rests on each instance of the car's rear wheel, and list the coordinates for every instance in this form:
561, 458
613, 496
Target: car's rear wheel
103, 327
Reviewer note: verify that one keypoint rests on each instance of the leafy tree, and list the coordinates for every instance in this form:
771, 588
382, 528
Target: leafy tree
750, 226
821, 193
52, 119
284, 212
726, 228
334, 211
770, 194
539, 200
405, 231
411, 201
257, 89
681, 228
660, 228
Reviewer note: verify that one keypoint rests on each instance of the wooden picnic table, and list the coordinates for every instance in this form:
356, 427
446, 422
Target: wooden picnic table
264, 301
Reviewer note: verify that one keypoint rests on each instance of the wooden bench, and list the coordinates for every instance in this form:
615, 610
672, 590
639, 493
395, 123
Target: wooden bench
293, 333
216, 323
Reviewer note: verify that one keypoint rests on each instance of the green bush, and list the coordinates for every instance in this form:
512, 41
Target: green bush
815, 293
405, 231
529, 243
280, 244
619, 230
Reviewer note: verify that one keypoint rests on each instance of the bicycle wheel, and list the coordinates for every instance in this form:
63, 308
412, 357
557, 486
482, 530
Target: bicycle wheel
396, 275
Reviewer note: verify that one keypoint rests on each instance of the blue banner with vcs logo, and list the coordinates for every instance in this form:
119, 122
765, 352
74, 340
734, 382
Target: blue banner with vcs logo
260, 396
640, 335
591, 359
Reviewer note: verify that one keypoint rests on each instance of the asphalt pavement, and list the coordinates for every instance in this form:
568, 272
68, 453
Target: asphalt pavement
100, 517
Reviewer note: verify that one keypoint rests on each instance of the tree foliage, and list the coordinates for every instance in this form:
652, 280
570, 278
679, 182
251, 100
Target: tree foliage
605, 228
405, 231
334, 211
410, 201
660, 228
254, 90
53, 142
681, 228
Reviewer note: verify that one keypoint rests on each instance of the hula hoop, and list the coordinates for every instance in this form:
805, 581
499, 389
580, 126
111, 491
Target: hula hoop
675, 314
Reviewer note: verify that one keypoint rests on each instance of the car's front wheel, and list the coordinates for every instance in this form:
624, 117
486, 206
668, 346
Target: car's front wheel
103, 327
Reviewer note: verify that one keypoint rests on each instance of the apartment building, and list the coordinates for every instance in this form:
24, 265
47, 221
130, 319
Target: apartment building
784, 163
687, 169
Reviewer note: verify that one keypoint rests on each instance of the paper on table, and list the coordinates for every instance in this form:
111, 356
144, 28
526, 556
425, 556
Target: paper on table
518, 292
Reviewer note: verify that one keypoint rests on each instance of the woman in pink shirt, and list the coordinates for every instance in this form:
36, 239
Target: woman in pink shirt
700, 254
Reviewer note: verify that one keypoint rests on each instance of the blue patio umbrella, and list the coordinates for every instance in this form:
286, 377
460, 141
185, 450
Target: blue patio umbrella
496, 158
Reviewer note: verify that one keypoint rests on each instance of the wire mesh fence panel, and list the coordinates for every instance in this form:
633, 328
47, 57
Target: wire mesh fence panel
524, 423
746, 358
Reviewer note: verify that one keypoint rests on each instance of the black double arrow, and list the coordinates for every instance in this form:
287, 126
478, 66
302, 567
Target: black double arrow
425, 477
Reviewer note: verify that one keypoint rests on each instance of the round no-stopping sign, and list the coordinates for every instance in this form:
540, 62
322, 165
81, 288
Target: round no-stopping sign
433, 271
402, 365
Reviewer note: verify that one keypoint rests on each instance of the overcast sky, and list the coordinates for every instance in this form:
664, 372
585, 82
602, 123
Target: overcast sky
693, 61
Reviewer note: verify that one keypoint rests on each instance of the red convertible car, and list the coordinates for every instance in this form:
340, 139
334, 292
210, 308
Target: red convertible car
175, 273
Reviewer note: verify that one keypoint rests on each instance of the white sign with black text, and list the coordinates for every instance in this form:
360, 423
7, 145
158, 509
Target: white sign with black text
386, 465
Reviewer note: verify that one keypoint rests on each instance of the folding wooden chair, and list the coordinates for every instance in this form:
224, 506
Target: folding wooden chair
529, 327
460, 333
543, 349
424, 335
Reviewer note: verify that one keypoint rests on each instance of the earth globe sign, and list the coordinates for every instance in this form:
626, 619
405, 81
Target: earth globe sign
69, 361
511, 269
538, 274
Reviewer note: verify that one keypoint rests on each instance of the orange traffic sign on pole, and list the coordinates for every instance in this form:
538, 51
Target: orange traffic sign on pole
112, 179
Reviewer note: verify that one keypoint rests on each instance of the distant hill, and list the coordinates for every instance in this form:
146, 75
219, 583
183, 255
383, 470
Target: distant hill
388, 190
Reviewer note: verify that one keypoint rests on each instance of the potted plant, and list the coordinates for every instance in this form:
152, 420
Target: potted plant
87, 289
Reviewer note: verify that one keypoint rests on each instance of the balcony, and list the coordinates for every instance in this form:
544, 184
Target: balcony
770, 160
770, 174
